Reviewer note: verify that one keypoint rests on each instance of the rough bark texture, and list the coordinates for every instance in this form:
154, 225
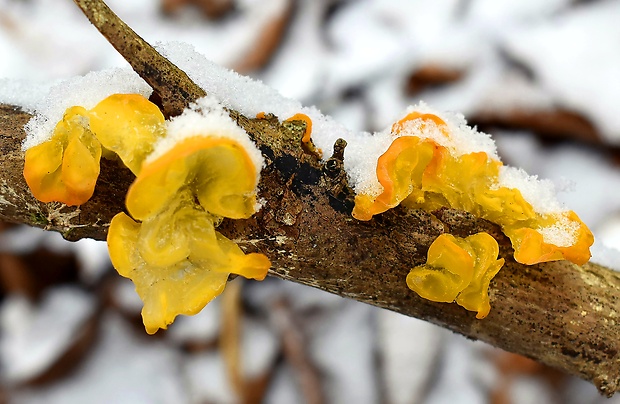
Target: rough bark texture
558, 313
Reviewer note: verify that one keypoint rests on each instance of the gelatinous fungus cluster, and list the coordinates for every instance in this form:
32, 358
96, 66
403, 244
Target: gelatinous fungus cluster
420, 173
65, 167
167, 245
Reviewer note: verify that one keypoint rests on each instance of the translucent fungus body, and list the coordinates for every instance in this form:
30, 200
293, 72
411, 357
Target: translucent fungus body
458, 269
177, 260
174, 255
128, 125
422, 174
65, 168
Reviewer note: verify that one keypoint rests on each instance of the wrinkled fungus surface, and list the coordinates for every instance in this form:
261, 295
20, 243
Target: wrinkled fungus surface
65, 167
177, 260
422, 174
458, 269
174, 256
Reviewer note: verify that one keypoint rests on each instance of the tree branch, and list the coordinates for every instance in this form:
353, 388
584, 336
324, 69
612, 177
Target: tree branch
173, 89
558, 313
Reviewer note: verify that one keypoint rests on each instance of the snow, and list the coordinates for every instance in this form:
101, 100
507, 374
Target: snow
571, 56
563, 233
59, 316
519, 54
347, 362
208, 381
363, 150
246, 95
605, 255
121, 369
407, 342
202, 327
540, 194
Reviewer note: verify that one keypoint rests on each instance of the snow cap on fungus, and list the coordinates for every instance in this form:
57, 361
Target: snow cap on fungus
205, 169
430, 165
458, 269
206, 151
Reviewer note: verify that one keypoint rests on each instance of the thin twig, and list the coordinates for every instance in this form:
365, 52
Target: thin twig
171, 86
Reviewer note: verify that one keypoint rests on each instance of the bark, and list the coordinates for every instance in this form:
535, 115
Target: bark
557, 313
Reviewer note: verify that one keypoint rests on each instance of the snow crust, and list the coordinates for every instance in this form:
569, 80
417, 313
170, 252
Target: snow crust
249, 96
363, 149
571, 57
85, 91
226, 88
540, 194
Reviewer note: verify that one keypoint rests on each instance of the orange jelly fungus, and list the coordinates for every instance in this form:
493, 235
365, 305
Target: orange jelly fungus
458, 269
65, 168
306, 141
176, 259
421, 174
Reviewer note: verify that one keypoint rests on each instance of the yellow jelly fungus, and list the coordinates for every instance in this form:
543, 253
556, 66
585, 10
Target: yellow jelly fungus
398, 170
218, 170
175, 257
65, 168
458, 269
128, 125
422, 174
177, 260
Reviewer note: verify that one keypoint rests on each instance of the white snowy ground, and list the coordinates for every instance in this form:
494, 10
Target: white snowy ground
352, 60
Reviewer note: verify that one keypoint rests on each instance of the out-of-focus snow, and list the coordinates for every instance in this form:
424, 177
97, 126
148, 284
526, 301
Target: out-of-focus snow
33, 336
465, 371
122, 368
405, 342
202, 327
573, 56
343, 358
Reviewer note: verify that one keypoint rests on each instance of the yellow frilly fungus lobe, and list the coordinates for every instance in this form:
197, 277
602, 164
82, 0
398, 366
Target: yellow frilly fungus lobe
421, 174
176, 259
128, 125
458, 269
65, 168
